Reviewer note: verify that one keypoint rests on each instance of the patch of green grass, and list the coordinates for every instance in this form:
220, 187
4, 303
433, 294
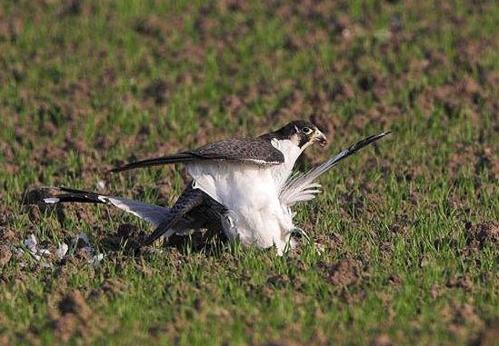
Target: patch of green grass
86, 85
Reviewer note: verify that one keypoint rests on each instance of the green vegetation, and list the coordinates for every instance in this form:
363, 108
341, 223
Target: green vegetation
408, 230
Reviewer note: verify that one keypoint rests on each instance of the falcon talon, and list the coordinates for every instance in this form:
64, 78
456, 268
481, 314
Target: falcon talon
241, 188
301, 232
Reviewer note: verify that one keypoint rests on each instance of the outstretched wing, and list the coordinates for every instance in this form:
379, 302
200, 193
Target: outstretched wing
153, 214
301, 187
252, 150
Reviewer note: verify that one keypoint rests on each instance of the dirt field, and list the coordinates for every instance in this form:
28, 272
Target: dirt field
406, 233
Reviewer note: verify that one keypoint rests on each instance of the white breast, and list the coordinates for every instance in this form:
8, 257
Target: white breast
291, 153
251, 193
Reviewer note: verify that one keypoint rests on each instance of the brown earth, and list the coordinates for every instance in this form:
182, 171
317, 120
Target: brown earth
465, 94
75, 316
478, 235
343, 273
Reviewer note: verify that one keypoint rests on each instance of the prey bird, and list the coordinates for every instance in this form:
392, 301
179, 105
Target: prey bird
243, 187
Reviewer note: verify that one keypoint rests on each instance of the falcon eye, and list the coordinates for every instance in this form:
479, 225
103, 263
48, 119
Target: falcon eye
307, 130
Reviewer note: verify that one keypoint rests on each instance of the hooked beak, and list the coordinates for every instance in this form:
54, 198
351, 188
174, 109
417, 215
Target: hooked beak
320, 138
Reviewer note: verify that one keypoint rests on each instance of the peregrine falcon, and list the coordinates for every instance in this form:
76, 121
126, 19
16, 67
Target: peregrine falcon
243, 186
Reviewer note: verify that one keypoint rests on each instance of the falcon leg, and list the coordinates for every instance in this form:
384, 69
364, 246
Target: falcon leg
191, 198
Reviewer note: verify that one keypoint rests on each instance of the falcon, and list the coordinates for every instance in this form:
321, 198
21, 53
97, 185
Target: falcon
243, 187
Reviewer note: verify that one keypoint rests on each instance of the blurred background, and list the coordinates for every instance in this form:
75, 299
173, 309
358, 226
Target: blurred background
140, 77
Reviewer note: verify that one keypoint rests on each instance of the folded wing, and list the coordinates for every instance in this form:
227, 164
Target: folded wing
257, 151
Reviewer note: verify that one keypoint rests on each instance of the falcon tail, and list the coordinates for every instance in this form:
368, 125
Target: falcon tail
175, 158
52, 195
301, 187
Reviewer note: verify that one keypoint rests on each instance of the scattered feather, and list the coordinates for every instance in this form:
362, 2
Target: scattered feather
84, 238
43, 255
95, 260
31, 244
61, 251
101, 185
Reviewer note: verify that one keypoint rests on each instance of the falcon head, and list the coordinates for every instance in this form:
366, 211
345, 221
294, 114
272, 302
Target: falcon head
302, 133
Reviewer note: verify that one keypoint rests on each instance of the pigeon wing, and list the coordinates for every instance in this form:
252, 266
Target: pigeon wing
301, 187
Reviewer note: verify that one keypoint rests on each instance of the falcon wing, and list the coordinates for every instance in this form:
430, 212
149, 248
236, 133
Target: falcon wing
302, 188
257, 151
